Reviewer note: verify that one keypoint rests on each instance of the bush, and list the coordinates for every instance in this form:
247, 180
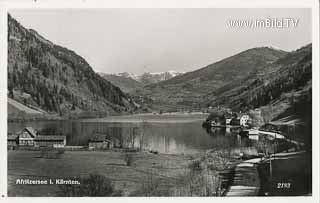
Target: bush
95, 185
195, 166
128, 158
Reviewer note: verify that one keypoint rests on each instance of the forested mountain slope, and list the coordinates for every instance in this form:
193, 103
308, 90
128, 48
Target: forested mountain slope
190, 90
284, 77
56, 78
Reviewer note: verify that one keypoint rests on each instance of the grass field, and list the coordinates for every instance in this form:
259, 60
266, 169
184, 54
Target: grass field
163, 170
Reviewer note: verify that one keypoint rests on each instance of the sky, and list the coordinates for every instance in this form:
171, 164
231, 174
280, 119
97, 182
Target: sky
156, 40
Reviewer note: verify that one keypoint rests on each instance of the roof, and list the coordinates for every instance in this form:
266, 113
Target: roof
98, 137
12, 136
228, 115
50, 137
243, 114
31, 131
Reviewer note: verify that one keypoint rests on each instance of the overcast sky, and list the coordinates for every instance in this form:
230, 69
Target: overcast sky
154, 40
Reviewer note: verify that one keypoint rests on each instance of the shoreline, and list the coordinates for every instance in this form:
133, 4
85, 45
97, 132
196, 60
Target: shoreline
105, 118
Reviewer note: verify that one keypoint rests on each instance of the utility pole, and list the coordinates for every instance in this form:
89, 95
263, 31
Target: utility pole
271, 177
270, 162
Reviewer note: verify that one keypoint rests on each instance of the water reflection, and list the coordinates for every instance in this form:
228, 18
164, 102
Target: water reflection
171, 138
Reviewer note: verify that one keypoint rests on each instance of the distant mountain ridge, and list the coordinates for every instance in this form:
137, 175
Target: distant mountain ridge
149, 77
125, 83
129, 82
58, 80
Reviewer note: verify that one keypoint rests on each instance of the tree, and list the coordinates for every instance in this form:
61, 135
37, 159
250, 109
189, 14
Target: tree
11, 95
129, 158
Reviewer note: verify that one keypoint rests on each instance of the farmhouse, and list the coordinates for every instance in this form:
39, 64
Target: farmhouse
56, 141
100, 141
28, 137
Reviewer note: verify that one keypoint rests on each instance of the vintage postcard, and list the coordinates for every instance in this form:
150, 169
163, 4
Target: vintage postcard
160, 101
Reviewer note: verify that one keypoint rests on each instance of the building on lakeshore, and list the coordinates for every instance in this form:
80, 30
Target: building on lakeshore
244, 120
235, 122
26, 137
100, 141
12, 140
29, 138
55, 141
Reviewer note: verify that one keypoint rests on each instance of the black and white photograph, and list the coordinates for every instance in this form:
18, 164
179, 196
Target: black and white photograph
160, 102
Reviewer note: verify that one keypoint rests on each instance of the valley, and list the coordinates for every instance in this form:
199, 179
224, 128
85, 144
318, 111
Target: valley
221, 129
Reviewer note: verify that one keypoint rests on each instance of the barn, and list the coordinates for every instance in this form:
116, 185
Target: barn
100, 141
55, 141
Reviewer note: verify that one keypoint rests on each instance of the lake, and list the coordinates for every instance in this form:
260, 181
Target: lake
169, 133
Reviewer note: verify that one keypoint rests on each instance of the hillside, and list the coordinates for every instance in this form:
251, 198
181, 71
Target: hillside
190, 90
15, 108
57, 79
284, 79
126, 84
282, 91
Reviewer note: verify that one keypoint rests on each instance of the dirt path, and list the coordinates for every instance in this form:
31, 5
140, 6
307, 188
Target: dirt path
246, 179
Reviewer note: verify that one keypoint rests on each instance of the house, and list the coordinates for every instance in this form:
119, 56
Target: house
235, 122
228, 118
12, 140
244, 120
55, 141
228, 121
100, 141
26, 136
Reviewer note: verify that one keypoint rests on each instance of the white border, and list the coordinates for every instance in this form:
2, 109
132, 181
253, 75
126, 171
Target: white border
3, 102
314, 4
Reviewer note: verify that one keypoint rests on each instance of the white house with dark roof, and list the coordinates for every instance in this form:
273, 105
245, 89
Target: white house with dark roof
26, 136
244, 119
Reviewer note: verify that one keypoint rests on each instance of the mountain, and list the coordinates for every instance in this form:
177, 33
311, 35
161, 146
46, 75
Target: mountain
56, 78
127, 75
280, 91
125, 82
284, 81
150, 78
190, 90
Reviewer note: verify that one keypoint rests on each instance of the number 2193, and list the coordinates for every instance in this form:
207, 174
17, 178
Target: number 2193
283, 185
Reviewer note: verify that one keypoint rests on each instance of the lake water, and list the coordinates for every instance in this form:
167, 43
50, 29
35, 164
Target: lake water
172, 134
